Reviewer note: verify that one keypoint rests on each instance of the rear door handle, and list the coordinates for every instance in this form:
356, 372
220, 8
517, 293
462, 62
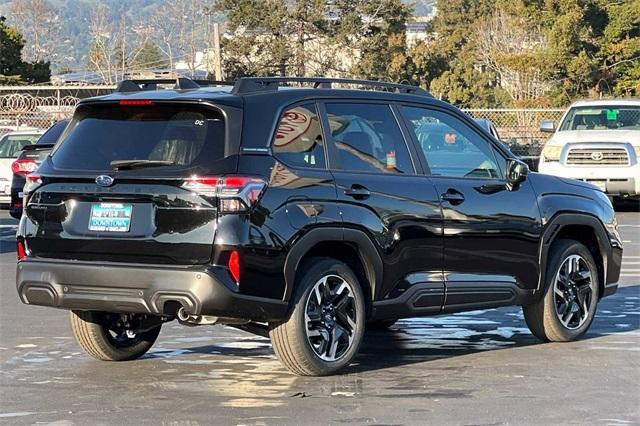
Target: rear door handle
358, 192
453, 196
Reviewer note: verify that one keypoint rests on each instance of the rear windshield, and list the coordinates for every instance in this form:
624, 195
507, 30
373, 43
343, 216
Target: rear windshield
188, 136
11, 145
602, 118
53, 133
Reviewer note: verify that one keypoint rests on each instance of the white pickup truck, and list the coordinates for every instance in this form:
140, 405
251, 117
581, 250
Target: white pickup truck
597, 141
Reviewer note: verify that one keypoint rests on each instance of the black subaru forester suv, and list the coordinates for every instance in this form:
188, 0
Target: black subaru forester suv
303, 213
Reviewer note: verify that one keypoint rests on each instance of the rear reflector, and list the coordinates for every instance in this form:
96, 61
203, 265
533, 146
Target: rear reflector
21, 251
33, 181
234, 265
135, 102
24, 167
235, 193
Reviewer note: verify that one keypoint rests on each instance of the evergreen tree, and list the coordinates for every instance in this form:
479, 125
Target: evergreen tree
13, 70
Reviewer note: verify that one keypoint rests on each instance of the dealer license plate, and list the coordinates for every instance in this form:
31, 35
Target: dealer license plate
110, 217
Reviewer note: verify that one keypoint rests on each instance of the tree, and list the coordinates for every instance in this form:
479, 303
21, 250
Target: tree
112, 53
378, 28
149, 58
342, 38
272, 37
39, 20
620, 53
13, 70
180, 29
518, 53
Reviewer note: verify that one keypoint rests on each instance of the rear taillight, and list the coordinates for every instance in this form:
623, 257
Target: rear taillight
235, 193
23, 167
21, 250
33, 181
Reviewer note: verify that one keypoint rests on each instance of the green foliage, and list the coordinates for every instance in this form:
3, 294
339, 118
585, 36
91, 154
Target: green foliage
378, 28
13, 70
149, 57
356, 38
575, 48
468, 87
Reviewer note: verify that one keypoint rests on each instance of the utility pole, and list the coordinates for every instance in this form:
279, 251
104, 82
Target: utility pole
217, 55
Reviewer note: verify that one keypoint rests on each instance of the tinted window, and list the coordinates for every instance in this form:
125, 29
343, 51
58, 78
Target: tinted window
298, 139
11, 145
368, 138
450, 147
190, 137
51, 136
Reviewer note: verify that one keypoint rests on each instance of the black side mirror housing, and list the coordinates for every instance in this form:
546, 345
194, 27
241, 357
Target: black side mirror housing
517, 172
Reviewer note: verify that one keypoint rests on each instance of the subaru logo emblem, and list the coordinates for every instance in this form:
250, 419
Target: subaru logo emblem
104, 180
597, 156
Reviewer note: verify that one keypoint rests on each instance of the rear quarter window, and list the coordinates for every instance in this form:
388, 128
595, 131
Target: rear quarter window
191, 137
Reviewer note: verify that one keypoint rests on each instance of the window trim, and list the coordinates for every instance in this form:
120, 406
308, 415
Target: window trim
334, 163
496, 150
324, 138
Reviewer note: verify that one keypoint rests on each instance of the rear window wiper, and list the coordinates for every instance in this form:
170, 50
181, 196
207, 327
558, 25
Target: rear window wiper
137, 164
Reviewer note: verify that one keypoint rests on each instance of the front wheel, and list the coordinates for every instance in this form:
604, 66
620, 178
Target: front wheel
114, 337
325, 329
568, 306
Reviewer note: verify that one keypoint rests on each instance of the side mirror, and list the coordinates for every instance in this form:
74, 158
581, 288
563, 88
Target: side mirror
517, 172
548, 126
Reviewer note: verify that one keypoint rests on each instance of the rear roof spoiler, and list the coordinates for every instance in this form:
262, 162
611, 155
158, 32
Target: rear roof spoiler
37, 146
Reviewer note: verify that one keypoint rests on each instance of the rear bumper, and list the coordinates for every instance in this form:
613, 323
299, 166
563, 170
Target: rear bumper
139, 289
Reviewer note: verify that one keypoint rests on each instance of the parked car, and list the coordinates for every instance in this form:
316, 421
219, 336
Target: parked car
521, 151
597, 141
10, 146
301, 214
28, 161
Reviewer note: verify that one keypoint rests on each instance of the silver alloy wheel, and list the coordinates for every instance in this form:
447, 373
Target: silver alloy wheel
330, 317
573, 292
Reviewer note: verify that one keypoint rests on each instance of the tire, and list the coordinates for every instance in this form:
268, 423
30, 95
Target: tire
306, 342
381, 325
94, 332
546, 318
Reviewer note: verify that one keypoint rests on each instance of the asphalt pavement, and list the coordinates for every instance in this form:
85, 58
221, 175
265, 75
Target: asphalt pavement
480, 368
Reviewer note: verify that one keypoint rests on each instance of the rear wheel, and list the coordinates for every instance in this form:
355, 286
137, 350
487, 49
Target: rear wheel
325, 329
114, 337
569, 304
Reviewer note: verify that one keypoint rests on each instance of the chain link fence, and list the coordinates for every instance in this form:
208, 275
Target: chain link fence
38, 107
520, 128
24, 107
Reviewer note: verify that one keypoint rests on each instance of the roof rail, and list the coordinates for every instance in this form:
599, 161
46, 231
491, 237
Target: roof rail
181, 83
247, 85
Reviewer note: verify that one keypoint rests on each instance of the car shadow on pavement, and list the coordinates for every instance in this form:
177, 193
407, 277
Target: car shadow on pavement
627, 206
419, 340
426, 339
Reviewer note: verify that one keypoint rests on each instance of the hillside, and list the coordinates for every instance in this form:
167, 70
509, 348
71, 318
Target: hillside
68, 35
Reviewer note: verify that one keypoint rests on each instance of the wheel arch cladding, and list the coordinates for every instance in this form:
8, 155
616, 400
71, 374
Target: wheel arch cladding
584, 229
352, 247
